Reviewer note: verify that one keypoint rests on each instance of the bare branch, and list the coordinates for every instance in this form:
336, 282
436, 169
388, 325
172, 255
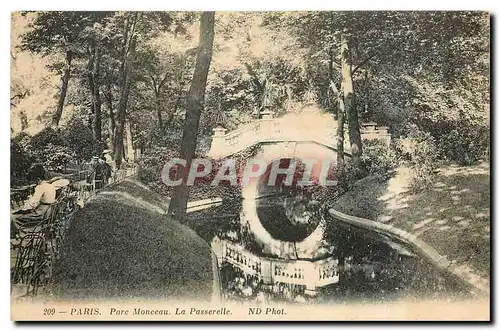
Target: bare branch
363, 63
153, 81
19, 95
162, 82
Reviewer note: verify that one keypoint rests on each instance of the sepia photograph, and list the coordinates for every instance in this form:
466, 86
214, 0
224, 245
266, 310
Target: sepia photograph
250, 166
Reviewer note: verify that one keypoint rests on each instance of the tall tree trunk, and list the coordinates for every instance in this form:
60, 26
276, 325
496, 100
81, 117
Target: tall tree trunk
158, 110
340, 137
129, 153
366, 104
111, 117
350, 103
96, 96
90, 78
338, 99
120, 122
64, 89
125, 68
93, 68
261, 87
194, 105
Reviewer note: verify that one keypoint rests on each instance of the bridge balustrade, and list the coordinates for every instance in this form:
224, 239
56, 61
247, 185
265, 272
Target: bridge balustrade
292, 272
281, 129
327, 271
311, 274
243, 259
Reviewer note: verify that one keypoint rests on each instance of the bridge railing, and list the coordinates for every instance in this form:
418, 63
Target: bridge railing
328, 272
266, 130
281, 129
296, 272
299, 272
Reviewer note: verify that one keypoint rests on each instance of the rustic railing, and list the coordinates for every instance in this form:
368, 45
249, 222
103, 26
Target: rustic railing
37, 248
19, 195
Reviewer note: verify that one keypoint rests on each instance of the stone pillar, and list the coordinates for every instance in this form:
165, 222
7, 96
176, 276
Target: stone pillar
218, 248
266, 271
370, 126
383, 131
266, 114
310, 278
218, 141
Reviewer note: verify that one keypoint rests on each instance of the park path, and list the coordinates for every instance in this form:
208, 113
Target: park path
121, 245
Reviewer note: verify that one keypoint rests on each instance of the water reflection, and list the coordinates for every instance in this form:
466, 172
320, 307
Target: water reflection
356, 265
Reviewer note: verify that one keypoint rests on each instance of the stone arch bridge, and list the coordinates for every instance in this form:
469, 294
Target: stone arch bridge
310, 128
308, 134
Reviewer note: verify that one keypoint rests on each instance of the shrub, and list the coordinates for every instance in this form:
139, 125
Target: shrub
80, 140
349, 176
466, 144
455, 115
56, 158
49, 148
377, 158
151, 164
47, 136
20, 163
420, 153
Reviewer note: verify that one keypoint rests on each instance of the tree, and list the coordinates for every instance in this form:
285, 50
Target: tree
194, 105
423, 70
350, 101
162, 75
256, 68
109, 77
338, 100
98, 42
133, 29
127, 48
58, 33
372, 53
327, 38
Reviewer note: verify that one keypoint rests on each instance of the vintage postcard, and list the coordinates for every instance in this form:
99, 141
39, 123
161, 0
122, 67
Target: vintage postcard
250, 166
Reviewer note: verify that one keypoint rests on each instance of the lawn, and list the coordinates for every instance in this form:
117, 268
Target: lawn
121, 245
452, 215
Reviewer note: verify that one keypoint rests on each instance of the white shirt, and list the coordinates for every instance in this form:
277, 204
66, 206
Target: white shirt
44, 193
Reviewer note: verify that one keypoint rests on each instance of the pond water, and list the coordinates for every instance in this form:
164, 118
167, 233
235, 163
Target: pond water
368, 266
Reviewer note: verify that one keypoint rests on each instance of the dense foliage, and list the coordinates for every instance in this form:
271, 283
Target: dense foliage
424, 75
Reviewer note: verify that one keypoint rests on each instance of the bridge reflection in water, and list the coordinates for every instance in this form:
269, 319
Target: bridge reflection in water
372, 268
279, 245
309, 274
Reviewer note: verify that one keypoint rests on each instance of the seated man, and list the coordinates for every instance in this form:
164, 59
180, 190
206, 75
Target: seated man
34, 210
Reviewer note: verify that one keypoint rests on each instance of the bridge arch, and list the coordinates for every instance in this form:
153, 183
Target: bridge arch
307, 134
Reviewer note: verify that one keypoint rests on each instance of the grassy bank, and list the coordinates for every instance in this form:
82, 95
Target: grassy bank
121, 245
452, 215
